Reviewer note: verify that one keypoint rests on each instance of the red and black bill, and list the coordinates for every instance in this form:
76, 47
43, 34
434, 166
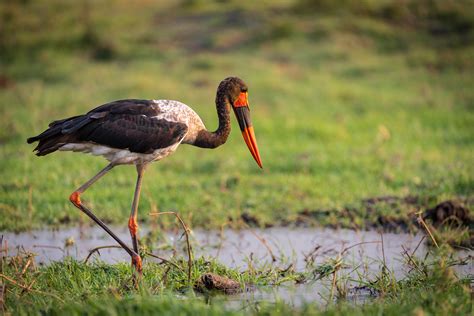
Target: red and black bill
242, 112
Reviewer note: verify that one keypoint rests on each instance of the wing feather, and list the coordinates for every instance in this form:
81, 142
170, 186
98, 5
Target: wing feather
138, 133
126, 124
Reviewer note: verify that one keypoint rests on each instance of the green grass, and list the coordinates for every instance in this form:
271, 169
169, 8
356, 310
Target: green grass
341, 113
343, 110
350, 101
73, 288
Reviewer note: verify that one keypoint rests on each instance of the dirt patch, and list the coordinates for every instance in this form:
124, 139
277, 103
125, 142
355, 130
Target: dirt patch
210, 282
449, 213
250, 220
392, 223
390, 213
386, 212
451, 223
393, 200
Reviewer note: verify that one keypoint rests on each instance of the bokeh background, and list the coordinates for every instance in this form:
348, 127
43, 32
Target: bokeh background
351, 100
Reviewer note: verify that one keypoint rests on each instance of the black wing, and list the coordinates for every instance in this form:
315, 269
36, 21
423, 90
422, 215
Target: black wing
125, 124
138, 133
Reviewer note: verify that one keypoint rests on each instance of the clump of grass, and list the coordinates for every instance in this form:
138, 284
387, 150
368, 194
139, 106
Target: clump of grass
448, 223
431, 286
460, 237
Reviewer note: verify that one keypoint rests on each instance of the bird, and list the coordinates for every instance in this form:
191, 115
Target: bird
138, 132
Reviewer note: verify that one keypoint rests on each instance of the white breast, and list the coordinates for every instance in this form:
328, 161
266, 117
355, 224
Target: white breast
120, 156
176, 111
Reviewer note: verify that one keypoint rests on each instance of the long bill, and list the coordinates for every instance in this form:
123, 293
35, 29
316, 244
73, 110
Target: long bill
243, 117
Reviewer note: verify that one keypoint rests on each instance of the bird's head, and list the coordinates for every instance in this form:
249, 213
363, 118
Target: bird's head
236, 92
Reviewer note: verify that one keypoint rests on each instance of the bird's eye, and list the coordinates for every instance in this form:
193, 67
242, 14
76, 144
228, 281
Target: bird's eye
243, 90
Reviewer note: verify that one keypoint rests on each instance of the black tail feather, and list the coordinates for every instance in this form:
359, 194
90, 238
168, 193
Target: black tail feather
52, 131
32, 139
59, 133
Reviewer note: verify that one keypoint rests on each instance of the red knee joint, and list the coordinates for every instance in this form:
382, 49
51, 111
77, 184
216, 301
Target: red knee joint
137, 263
133, 226
75, 198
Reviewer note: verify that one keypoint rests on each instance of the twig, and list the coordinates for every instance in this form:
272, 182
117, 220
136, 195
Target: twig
28, 288
264, 243
186, 232
358, 244
26, 266
419, 243
420, 220
96, 249
287, 268
50, 247
5, 249
164, 278
461, 247
413, 262
24, 287
3, 291
164, 260
383, 252
334, 277
311, 256
221, 239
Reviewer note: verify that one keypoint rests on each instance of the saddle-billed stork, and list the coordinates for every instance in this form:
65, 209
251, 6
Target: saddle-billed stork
139, 132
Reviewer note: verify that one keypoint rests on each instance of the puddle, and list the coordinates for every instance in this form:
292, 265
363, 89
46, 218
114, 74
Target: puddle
237, 249
293, 295
283, 247
290, 294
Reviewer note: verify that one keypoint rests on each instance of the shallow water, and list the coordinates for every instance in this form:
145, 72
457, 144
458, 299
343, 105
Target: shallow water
302, 248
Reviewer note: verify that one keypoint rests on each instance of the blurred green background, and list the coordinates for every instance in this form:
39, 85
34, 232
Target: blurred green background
350, 100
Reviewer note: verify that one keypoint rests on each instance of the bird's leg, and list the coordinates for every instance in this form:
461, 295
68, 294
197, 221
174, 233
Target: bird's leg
76, 200
132, 221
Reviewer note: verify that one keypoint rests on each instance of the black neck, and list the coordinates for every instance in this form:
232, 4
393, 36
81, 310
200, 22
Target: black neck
206, 139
